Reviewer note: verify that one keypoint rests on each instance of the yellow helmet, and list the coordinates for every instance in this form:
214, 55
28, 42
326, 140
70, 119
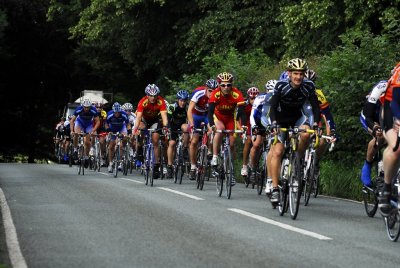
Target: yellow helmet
224, 77
297, 65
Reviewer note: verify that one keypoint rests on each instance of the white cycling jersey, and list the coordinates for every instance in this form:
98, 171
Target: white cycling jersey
260, 110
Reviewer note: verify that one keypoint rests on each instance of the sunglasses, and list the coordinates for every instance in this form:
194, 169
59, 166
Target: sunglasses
225, 85
210, 90
128, 110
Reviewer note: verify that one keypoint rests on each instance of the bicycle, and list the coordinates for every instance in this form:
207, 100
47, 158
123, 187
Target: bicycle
81, 153
311, 179
290, 184
202, 161
178, 166
149, 158
261, 167
117, 159
60, 149
371, 193
225, 168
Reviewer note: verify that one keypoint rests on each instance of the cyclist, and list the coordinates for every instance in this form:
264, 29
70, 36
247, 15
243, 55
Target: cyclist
67, 134
82, 121
58, 133
101, 131
286, 111
177, 118
391, 123
128, 109
260, 121
252, 93
149, 110
117, 121
197, 114
222, 104
370, 121
326, 114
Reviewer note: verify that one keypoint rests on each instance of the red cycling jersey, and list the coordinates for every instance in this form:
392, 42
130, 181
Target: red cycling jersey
225, 106
393, 82
150, 110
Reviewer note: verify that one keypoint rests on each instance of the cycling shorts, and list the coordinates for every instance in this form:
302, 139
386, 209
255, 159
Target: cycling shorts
228, 121
85, 128
198, 119
303, 120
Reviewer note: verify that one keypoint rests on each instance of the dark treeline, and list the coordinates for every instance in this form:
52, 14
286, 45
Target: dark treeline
51, 50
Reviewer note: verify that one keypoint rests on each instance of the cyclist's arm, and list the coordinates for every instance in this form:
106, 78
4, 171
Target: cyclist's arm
211, 109
72, 123
164, 118
315, 107
192, 104
97, 123
329, 118
242, 115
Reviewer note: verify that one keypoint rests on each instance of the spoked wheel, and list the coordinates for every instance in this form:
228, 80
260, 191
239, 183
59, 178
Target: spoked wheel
283, 197
309, 182
228, 168
295, 188
151, 162
392, 224
70, 156
201, 170
116, 162
220, 181
370, 201
261, 181
315, 184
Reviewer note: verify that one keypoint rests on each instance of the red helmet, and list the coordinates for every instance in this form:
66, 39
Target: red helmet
253, 92
224, 77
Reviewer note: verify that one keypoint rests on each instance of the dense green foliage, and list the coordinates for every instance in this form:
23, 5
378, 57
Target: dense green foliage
54, 49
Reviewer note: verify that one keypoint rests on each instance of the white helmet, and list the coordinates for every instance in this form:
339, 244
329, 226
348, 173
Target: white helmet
270, 85
86, 103
127, 106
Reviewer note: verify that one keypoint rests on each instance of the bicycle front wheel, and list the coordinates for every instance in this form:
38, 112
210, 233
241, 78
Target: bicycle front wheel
392, 224
116, 161
201, 169
309, 181
295, 187
228, 171
220, 181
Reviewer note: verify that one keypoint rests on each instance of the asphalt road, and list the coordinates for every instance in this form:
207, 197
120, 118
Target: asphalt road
65, 220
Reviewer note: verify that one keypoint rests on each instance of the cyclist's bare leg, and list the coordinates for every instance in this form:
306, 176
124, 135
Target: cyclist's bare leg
246, 151
304, 141
276, 154
87, 144
184, 128
111, 149
171, 152
193, 148
390, 158
155, 139
217, 137
255, 150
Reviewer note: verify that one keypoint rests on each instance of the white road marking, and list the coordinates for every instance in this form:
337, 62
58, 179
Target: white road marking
14, 250
180, 193
279, 224
135, 181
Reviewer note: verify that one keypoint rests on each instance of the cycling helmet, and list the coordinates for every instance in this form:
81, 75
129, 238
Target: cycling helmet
284, 75
182, 95
211, 83
69, 117
270, 85
224, 77
297, 65
253, 92
117, 107
127, 106
152, 90
86, 103
311, 75
98, 104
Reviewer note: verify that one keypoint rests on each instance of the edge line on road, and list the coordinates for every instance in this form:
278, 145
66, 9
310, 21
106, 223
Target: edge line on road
180, 193
279, 224
14, 250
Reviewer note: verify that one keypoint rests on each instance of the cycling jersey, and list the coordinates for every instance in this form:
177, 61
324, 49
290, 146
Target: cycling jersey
84, 118
259, 112
224, 107
117, 124
151, 111
200, 98
287, 103
370, 113
324, 108
393, 88
176, 114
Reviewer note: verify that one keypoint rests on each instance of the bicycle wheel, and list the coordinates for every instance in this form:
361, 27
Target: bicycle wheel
116, 161
201, 169
262, 174
81, 164
309, 182
295, 187
220, 180
392, 224
370, 200
151, 163
228, 171
283, 187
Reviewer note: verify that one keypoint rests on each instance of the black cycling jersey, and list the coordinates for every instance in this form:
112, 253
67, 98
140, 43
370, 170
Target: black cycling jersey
177, 115
287, 102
